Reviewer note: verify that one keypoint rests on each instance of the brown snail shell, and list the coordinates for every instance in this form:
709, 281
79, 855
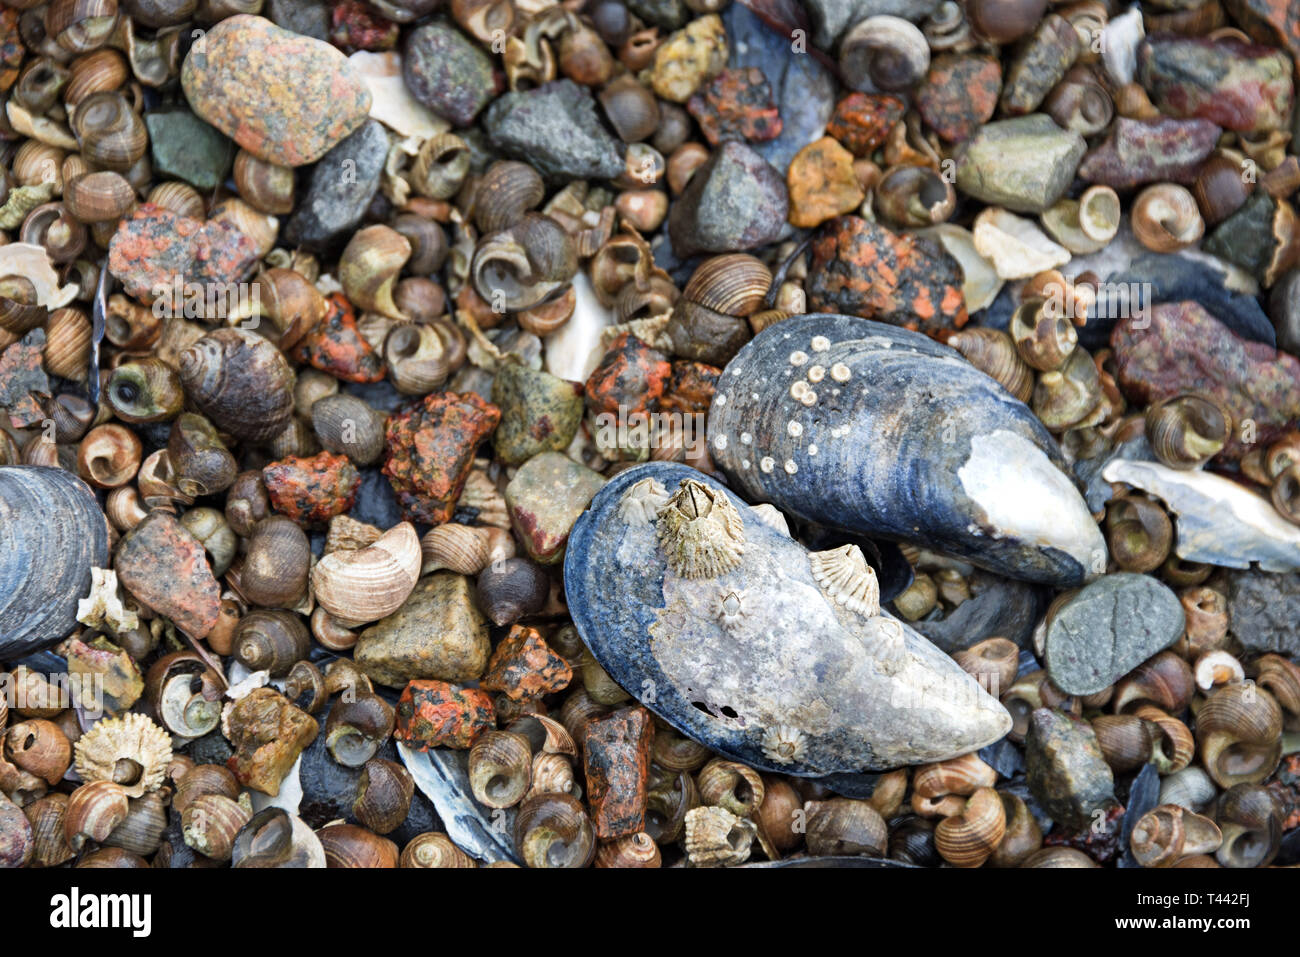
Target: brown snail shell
185, 693
431, 849
500, 768
676, 752
1206, 611
1165, 218
843, 826
553, 830
39, 747
1139, 533
1080, 102
201, 463
101, 70
1285, 493
81, 25
241, 382
1250, 819
350, 846
1164, 680
129, 325
968, 838
58, 232
305, 687
369, 583
993, 662
1168, 833
421, 356
1004, 20
94, 810
109, 131
631, 108
519, 267
441, 166
291, 303
355, 730
46, 816
1281, 678
504, 194
633, 850
993, 352
105, 196
914, 196
730, 785
734, 284
247, 502
114, 857
181, 198
1044, 338
1239, 734
146, 389
109, 455
68, 336
884, 52
256, 225
347, 425
1174, 744
1022, 837
204, 779
275, 838
1126, 740
384, 794
1221, 188
211, 823
1186, 431
267, 187
371, 263
272, 641
141, 831
428, 246
964, 775
463, 549
276, 564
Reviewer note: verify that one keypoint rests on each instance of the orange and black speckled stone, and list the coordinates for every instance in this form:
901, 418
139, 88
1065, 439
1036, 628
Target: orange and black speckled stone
284, 97
311, 490
164, 567
268, 733
736, 105
616, 755
862, 269
690, 387
960, 94
336, 346
862, 121
11, 49
23, 382
435, 714
156, 254
429, 450
524, 666
630, 378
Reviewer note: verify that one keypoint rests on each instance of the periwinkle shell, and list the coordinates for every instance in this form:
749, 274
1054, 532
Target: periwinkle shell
884, 432
796, 668
52, 533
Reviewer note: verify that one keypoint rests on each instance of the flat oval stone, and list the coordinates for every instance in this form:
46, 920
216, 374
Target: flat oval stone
285, 98
1108, 629
448, 73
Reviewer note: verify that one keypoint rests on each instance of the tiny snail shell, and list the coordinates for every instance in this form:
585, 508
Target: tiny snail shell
1206, 611
1217, 667
1164, 680
1022, 836
914, 196
369, 268
346, 424
993, 662
305, 687
275, 838
1186, 431
181, 198
1080, 102
421, 299
113, 857
843, 826
1285, 493
95, 72
511, 589
1165, 218
734, 284
240, 381
634, 850
68, 335
185, 694
266, 186
1126, 740
431, 849
39, 747
329, 633
142, 829
504, 194
200, 460
271, 640
441, 166
553, 830
552, 774
994, 353
500, 768
276, 563
730, 785
1044, 338
211, 823
355, 730
550, 315
1251, 820
109, 455
384, 794
778, 816
1168, 833
912, 842
369, 583
110, 133
46, 817
81, 25
1239, 733
1191, 788
99, 197
146, 389
1099, 213
667, 806
963, 775
887, 795
201, 780
428, 243
1175, 746
463, 549
94, 810
58, 232
1220, 188
1281, 677
247, 502
1139, 533
968, 838
886, 52
676, 752
421, 356
631, 108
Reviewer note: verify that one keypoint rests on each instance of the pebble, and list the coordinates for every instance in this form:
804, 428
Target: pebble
165, 568
959, 95
1259, 237
616, 759
688, 58
357, 26
24, 386
666, 14
183, 146
155, 247
735, 202
392, 102
437, 633
1149, 151
284, 97
268, 734
1040, 65
998, 607
312, 490
736, 105
557, 129
449, 73
539, 412
545, 498
336, 346
822, 183
429, 451
1238, 86
435, 714
309, 17
862, 269
342, 186
1179, 347
1025, 164
1108, 629
524, 668
1263, 609
630, 378
706, 335
1064, 768
862, 121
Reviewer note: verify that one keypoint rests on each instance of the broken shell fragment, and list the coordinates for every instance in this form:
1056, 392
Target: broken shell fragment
797, 682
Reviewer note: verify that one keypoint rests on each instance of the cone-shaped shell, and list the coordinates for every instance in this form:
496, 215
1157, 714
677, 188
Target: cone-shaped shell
52, 534
760, 653
884, 432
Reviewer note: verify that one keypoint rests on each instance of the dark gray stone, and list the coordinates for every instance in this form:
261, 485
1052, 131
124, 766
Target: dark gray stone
1108, 629
1264, 611
668, 14
1065, 769
343, 184
555, 128
998, 606
183, 146
734, 202
448, 72
311, 18
1143, 795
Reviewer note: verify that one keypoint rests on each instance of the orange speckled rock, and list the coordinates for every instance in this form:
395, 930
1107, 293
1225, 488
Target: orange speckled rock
960, 94
336, 346
429, 451
690, 387
736, 105
164, 566
435, 714
268, 733
822, 183
616, 753
524, 666
284, 97
862, 269
312, 490
862, 121
630, 378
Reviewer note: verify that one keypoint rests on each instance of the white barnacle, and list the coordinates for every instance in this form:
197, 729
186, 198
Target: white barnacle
840, 372
783, 744
809, 397
720, 442
798, 357
746, 438
767, 463
642, 501
720, 398
820, 343
771, 516
816, 373
847, 579
799, 389
732, 608
812, 449
701, 533
794, 428
791, 466
887, 645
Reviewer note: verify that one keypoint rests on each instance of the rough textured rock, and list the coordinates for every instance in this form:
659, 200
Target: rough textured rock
1065, 769
862, 121
448, 72
164, 566
1263, 610
539, 412
182, 146
688, 58
1149, 151
959, 94
524, 667
735, 202
545, 498
282, 96
998, 607
822, 183
435, 714
437, 633
557, 129
342, 186
312, 490
268, 734
1024, 164
1239, 86
616, 754
736, 105
1108, 629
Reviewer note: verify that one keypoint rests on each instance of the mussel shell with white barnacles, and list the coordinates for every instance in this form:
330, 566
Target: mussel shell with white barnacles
52, 533
744, 641
884, 432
